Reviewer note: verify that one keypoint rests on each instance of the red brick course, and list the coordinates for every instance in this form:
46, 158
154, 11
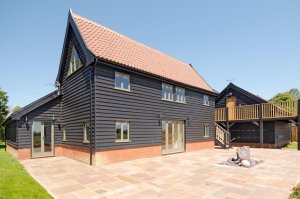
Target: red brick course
252, 145
118, 155
20, 154
82, 154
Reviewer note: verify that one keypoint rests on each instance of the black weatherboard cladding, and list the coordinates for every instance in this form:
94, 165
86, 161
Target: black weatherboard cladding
42, 113
140, 107
11, 133
248, 132
241, 99
282, 132
76, 95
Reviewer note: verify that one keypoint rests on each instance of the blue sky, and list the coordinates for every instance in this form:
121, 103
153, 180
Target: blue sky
256, 43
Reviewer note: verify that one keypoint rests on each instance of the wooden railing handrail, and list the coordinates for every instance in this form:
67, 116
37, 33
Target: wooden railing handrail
222, 135
269, 110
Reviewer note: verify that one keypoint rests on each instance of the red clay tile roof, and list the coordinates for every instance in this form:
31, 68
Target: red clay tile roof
112, 46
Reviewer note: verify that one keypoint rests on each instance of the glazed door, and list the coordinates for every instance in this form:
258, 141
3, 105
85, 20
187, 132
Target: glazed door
172, 137
230, 104
42, 139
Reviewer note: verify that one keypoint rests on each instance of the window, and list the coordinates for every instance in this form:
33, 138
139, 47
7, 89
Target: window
122, 81
64, 134
86, 130
75, 62
167, 92
206, 100
122, 132
180, 94
206, 130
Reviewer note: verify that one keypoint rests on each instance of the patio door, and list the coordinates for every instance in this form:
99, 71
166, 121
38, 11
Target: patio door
42, 139
172, 137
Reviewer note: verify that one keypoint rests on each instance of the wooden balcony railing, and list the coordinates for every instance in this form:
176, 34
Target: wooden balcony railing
280, 109
288, 109
248, 112
220, 114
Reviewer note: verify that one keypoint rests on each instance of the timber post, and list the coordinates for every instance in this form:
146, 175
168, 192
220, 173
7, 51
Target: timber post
298, 123
261, 126
228, 128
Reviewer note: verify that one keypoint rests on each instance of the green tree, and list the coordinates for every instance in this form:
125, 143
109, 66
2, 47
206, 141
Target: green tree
295, 93
17, 108
280, 97
292, 94
3, 111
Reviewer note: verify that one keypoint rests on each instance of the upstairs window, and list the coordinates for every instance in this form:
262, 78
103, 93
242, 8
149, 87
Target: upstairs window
167, 92
206, 100
180, 94
206, 130
86, 130
122, 81
122, 132
75, 62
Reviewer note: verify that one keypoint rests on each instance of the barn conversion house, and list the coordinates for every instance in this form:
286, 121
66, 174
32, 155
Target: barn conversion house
116, 100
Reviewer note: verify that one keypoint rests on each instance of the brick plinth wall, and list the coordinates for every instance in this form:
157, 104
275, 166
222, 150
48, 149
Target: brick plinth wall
200, 145
81, 154
118, 155
12, 150
20, 154
253, 145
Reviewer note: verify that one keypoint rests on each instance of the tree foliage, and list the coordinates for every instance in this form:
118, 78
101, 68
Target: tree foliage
3, 110
293, 94
16, 108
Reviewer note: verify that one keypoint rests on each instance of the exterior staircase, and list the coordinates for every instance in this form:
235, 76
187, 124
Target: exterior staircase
222, 137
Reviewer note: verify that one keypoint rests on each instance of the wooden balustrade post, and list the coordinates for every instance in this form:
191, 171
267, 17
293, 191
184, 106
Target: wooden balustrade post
298, 124
228, 128
261, 126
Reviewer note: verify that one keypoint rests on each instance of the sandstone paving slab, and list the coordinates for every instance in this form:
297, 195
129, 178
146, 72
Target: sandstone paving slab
185, 175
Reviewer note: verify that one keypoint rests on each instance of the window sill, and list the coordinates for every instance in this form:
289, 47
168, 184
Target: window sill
121, 89
86, 141
206, 104
122, 141
206, 136
173, 101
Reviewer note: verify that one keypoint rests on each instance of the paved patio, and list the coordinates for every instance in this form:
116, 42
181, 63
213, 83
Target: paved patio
185, 175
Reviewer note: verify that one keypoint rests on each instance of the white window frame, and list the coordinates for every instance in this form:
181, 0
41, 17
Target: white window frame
164, 86
64, 134
123, 75
73, 66
206, 100
177, 89
122, 133
86, 127
206, 130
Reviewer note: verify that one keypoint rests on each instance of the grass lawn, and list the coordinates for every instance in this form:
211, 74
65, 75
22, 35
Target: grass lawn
296, 192
292, 145
15, 182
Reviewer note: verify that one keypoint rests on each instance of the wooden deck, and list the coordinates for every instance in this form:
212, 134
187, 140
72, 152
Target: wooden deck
274, 110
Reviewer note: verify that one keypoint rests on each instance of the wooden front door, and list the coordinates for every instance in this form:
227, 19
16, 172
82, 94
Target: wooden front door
230, 104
